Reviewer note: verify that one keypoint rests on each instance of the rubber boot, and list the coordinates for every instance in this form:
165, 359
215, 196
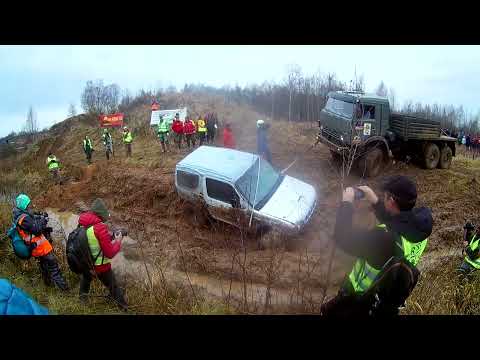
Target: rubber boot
54, 273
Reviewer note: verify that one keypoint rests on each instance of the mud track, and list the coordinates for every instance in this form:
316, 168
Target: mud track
211, 256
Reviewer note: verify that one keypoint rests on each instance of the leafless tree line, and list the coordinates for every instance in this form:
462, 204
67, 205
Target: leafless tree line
98, 98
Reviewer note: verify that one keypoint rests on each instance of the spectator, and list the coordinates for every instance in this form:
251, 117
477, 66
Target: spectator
177, 128
262, 142
190, 129
228, 138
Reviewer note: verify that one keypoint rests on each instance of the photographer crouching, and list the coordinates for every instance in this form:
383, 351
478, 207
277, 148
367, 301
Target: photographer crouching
384, 273
33, 230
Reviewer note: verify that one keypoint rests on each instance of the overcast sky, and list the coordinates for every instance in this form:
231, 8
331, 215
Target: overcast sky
51, 77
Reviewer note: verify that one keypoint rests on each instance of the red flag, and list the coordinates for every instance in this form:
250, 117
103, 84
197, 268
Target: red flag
112, 120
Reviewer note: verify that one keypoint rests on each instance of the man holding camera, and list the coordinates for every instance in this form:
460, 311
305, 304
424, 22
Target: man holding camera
103, 247
32, 228
402, 234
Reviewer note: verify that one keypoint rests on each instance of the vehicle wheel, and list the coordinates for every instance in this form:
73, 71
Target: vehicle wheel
372, 163
445, 158
431, 156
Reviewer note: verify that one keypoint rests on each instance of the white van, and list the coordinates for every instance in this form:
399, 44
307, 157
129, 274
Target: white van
225, 179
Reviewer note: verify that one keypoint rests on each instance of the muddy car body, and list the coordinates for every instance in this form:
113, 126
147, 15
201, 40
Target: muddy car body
231, 187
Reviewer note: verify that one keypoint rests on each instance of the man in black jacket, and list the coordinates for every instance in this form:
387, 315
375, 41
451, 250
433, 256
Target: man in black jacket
403, 232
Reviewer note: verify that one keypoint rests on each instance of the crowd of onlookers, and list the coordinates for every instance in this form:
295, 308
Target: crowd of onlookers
470, 142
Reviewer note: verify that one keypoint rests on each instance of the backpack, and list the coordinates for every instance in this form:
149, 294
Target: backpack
20, 248
392, 286
79, 257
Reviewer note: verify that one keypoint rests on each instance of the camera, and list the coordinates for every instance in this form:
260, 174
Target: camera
123, 232
359, 194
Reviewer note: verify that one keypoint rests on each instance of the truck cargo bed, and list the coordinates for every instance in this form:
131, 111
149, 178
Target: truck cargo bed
411, 127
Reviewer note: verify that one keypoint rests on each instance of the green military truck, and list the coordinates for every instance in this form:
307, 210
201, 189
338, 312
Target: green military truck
362, 126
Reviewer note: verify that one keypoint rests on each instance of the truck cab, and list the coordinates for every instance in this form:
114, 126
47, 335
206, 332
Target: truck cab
364, 123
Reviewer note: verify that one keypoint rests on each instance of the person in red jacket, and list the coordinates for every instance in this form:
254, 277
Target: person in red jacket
228, 138
103, 246
177, 128
190, 129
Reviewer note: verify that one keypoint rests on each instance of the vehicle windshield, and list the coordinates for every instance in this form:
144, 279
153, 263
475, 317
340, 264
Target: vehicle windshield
269, 181
339, 107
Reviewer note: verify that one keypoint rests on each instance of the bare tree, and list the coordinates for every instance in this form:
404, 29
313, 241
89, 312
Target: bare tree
72, 111
382, 89
360, 84
294, 74
392, 99
31, 125
100, 99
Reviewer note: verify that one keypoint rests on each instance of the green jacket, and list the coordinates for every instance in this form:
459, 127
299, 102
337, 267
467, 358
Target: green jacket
472, 251
127, 137
52, 162
87, 144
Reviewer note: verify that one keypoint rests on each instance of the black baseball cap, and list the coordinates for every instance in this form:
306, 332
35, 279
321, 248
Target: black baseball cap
403, 191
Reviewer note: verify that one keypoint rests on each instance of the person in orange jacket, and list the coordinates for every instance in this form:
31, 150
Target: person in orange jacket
32, 228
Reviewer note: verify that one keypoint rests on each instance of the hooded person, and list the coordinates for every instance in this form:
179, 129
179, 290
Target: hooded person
88, 148
53, 167
262, 141
212, 126
177, 128
108, 143
127, 140
104, 246
402, 233
228, 138
32, 228
190, 129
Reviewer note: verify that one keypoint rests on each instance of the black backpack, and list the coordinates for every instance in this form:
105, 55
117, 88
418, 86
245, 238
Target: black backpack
391, 288
79, 257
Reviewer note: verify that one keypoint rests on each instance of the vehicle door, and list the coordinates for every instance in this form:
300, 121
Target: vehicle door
222, 200
368, 120
188, 185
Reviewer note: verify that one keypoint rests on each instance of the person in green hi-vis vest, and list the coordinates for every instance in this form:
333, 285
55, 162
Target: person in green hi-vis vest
402, 234
471, 240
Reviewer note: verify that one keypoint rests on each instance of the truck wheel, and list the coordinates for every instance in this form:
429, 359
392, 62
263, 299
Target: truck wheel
371, 164
445, 158
431, 156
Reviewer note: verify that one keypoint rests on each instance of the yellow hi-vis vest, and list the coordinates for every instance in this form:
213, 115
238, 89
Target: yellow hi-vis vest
95, 248
52, 162
127, 137
163, 127
201, 126
363, 274
474, 246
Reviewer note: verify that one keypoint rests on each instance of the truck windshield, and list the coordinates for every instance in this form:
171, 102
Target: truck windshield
269, 181
340, 107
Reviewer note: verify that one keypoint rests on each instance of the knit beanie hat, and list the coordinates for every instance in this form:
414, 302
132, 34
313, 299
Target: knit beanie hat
99, 208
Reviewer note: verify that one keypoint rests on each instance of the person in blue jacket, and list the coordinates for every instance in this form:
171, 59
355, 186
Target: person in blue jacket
262, 142
14, 301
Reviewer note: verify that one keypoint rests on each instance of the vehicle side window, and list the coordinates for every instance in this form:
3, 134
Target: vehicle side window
187, 180
221, 191
368, 112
